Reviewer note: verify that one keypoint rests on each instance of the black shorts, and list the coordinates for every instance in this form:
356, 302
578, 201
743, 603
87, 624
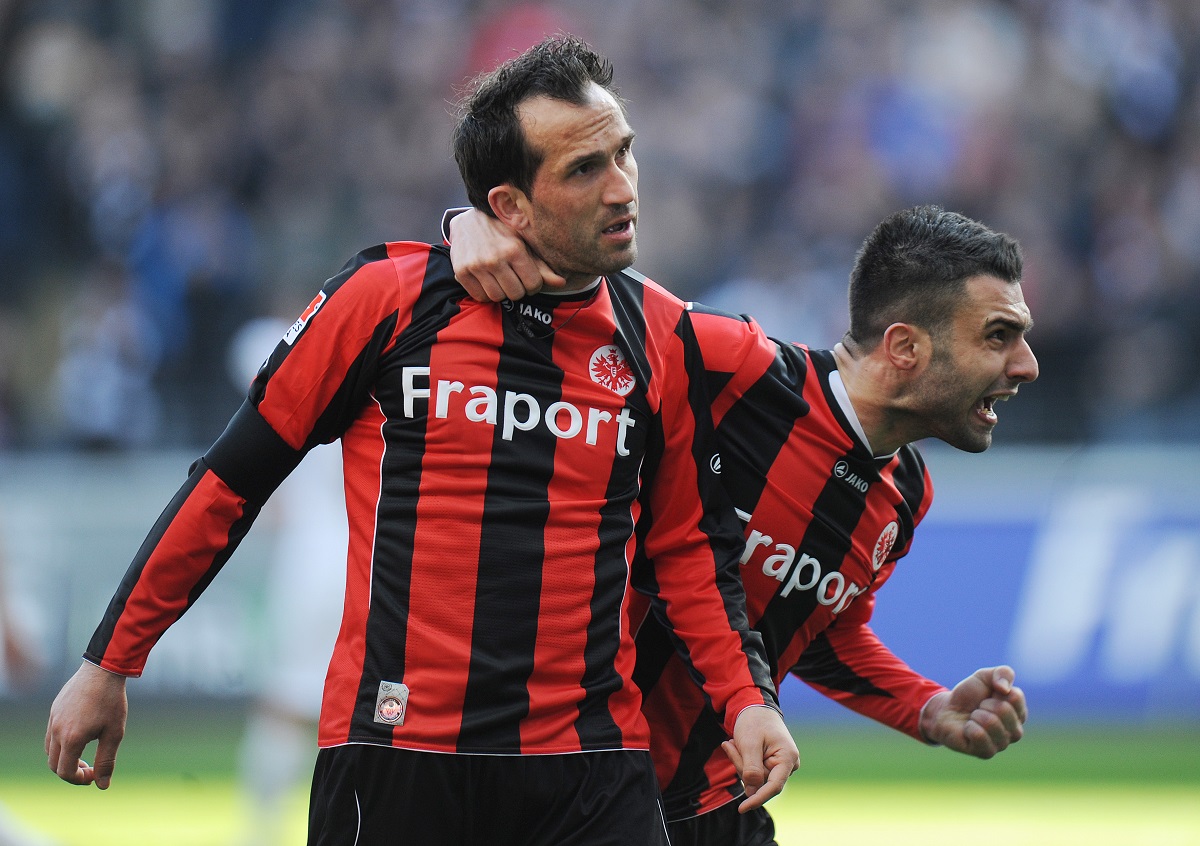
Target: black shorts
364, 795
725, 827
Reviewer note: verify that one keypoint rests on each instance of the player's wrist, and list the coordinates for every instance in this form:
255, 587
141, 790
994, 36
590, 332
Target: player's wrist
928, 720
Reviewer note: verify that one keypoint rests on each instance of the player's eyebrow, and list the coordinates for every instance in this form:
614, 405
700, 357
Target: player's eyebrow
595, 155
1009, 323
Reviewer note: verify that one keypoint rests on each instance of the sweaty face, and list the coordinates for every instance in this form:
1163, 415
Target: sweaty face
978, 361
583, 202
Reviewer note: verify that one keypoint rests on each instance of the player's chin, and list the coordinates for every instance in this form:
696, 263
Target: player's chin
620, 257
971, 439
616, 261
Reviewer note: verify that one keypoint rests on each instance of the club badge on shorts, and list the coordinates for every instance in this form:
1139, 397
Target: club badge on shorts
391, 702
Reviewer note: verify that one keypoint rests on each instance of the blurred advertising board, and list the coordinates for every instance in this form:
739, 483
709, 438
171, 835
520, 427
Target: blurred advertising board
1079, 567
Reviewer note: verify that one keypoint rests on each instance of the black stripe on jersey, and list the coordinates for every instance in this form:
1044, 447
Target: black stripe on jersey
507, 597
346, 403
116, 607
819, 664
642, 571
595, 724
755, 428
910, 481
248, 434
681, 794
386, 628
828, 543
629, 313
378, 252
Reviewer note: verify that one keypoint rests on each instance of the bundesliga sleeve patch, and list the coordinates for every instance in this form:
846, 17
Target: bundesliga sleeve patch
293, 333
391, 702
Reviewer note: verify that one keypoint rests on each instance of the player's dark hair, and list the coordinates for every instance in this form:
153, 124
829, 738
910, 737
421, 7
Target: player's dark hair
913, 267
489, 146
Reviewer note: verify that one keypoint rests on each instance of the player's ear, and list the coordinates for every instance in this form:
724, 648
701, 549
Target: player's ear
510, 205
906, 346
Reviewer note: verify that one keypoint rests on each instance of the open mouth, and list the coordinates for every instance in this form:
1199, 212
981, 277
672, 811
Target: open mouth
987, 407
619, 228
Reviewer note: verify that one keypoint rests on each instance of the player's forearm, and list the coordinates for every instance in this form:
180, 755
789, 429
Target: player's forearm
855, 669
696, 543
191, 541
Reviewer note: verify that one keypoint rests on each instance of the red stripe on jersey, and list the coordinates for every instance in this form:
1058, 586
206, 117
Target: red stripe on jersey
576, 494
797, 474
362, 459
674, 695
446, 541
694, 596
314, 370
861, 651
190, 547
734, 347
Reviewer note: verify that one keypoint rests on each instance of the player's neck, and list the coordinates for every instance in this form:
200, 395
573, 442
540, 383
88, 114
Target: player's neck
869, 389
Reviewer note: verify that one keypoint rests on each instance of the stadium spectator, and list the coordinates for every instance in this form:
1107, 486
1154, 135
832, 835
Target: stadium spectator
796, 123
799, 124
817, 454
495, 463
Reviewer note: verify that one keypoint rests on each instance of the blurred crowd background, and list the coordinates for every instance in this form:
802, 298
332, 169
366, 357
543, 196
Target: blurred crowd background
172, 172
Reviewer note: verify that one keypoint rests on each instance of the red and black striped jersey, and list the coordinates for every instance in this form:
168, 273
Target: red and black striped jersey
496, 464
825, 522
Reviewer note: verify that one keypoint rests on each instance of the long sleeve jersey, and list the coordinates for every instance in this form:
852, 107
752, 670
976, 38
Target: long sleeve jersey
496, 464
825, 522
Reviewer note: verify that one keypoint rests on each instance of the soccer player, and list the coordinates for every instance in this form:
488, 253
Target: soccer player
817, 454
496, 464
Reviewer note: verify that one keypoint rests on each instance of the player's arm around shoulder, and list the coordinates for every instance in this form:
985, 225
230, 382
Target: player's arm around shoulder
491, 261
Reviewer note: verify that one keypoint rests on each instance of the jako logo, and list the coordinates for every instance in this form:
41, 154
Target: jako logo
609, 368
842, 471
290, 337
714, 463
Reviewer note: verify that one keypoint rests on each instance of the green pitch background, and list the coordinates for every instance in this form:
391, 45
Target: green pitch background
858, 784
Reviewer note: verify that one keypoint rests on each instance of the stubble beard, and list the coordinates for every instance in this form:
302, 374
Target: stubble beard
581, 258
950, 411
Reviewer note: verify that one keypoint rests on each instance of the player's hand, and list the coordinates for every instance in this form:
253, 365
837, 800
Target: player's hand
983, 714
92, 705
764, 754
492, 262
